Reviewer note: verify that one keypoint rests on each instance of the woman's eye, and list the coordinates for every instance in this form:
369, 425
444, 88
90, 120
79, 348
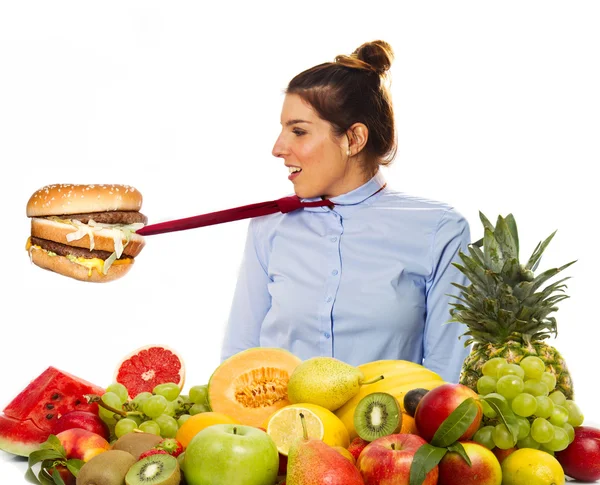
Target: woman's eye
298, 132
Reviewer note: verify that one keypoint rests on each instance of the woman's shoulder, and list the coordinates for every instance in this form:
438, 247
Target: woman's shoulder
416, 208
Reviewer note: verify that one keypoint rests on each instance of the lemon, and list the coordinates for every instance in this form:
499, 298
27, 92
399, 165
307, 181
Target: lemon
527, 466
284, 426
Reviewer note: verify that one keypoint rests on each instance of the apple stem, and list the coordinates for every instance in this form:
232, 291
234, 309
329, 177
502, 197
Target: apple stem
372, 381
90, 398
393, 445
304, 428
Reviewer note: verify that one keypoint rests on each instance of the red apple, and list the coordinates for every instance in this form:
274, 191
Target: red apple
484, 469
356, 446
388, 460
438, 404
83, 420
82, 444
581, 459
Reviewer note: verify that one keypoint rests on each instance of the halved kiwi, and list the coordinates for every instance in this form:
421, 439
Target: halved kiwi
377, 414
154, 470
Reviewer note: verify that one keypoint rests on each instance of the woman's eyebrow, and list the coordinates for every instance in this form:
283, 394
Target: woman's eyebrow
294, 122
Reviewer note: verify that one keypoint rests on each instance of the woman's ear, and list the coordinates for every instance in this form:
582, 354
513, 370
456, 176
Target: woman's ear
357, 134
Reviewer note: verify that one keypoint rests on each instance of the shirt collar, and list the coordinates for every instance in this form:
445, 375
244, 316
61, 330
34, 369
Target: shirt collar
353, 197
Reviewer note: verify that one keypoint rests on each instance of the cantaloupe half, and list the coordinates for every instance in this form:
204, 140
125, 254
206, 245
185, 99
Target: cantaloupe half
252, 384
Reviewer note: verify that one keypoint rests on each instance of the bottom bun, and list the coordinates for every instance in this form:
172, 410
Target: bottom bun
62, 265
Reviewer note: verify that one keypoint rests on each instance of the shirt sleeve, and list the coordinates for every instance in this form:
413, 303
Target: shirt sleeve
443, 351
251, 300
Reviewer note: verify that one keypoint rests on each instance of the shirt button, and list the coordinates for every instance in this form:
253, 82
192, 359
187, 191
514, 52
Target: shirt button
334, 272
326, 335
333, 239
329, 299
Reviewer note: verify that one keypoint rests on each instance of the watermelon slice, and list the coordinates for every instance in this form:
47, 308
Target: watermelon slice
29, 418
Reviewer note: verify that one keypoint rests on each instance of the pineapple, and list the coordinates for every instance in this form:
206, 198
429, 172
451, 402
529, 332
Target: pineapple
506, 312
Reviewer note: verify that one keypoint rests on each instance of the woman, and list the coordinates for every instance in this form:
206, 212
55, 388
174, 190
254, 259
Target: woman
364, 279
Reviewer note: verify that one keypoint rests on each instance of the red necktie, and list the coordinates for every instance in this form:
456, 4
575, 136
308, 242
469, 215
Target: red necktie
286, 204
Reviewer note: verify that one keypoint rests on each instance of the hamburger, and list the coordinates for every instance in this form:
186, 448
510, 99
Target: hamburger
86, 232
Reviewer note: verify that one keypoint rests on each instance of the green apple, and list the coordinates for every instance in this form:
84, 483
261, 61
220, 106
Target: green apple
226, 454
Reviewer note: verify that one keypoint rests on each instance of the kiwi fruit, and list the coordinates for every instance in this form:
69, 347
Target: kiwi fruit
412, 399
136, 443
377, 414
154, 470
107, 468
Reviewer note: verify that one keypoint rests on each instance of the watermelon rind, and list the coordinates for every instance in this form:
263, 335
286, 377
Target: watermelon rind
20, 437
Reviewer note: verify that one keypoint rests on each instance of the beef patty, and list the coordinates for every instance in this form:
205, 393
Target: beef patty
64, 250
109, 217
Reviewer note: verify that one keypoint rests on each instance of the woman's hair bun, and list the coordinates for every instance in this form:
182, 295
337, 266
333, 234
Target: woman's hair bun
378, 54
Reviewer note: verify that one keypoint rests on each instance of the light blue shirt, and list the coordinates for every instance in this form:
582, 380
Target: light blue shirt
364, 281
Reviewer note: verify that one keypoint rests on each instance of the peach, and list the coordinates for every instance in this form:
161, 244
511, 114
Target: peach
438, 404
484, 470
82, 444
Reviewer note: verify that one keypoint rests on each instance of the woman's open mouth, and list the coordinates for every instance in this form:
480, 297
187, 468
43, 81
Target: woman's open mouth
294, 172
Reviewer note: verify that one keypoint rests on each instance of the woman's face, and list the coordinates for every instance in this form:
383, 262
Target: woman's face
319, 160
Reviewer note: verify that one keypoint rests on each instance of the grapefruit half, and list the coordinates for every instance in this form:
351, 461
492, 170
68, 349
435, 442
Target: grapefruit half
148, 366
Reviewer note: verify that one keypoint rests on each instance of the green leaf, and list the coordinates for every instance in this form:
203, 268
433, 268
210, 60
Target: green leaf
74, 465
506, 415
57, 478
425, 460
459, 448
455, 425
53, 443
40, 456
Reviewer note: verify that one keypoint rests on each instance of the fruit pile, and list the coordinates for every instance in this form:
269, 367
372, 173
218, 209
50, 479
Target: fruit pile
265, 417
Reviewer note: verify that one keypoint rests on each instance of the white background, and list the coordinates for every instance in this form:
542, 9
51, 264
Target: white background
497, 109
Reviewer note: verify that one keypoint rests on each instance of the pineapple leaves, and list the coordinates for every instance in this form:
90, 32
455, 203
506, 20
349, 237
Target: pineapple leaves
505, 239
546, 275
505, 300
534, 260
492, 252
486, 222
512, 226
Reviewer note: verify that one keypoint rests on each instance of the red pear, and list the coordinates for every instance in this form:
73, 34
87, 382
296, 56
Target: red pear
312, 462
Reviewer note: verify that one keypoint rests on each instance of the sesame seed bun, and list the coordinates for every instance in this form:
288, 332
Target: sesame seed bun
63, 199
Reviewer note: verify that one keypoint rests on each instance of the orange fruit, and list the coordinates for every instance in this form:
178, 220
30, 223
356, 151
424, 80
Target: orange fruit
196, 423
408, 425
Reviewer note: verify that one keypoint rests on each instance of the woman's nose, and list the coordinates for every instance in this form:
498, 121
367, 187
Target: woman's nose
279, 149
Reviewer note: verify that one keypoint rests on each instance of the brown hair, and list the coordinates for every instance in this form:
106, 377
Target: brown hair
353, 90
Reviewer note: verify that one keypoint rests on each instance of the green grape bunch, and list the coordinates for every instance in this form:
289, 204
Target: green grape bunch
159, 412
533, 412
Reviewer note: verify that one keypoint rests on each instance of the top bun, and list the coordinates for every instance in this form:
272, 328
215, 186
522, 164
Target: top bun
377, 54
63, 199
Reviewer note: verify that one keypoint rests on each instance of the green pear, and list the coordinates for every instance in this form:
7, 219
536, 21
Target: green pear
312, 462
325, 381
